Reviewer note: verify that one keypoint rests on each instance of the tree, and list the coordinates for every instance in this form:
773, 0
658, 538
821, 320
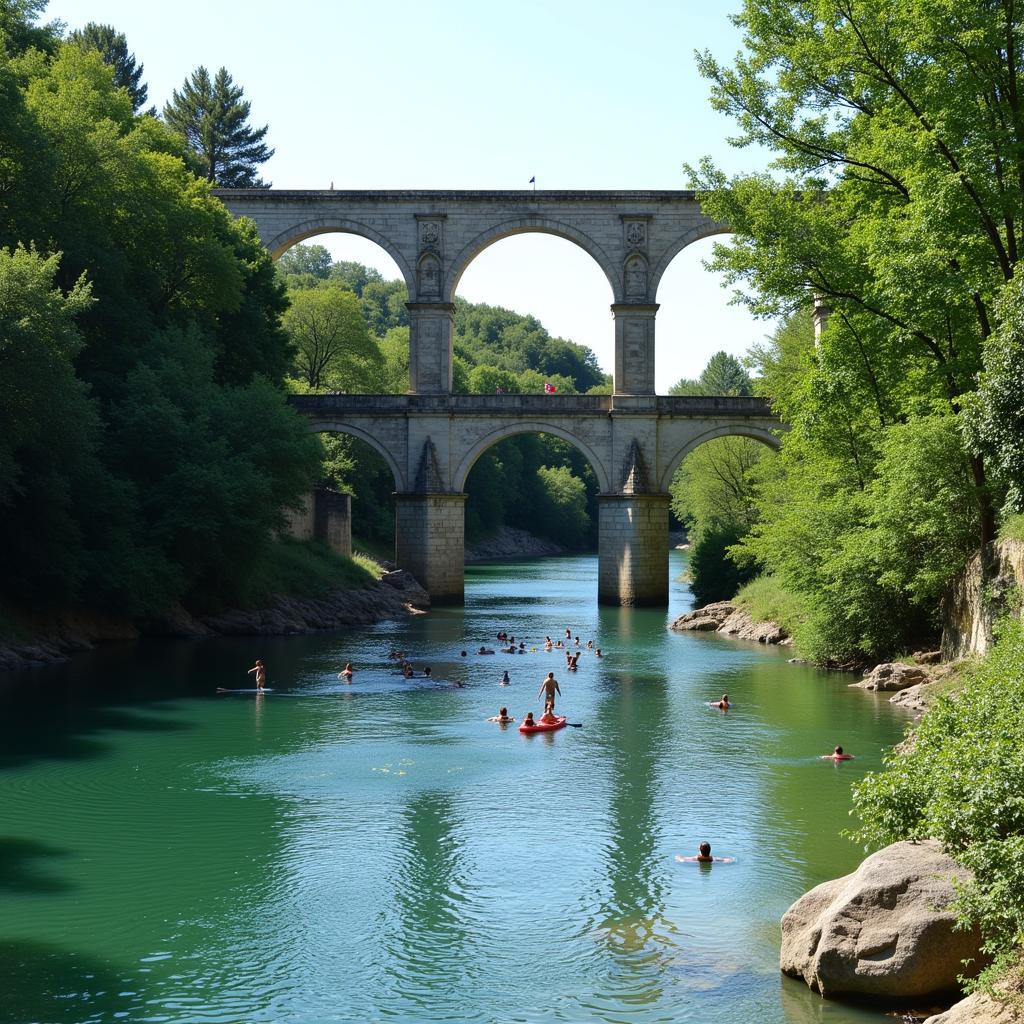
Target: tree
213, 119
306, 259
723, 375
895, 130
333, 347
19, 30
113, 48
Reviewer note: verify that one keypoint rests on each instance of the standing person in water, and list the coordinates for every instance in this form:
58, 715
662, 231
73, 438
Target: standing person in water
346, 672
505, 681
549, 688
261, 673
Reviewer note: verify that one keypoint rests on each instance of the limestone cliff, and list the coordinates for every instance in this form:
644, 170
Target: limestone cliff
973, 603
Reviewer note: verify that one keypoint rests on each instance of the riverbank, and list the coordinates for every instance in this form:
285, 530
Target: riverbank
511, 542
32, 641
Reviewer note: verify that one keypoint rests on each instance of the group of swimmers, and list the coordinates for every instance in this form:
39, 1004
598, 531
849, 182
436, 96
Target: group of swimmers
549, 687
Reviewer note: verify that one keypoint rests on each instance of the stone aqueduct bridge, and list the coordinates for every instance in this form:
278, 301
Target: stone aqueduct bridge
633, 439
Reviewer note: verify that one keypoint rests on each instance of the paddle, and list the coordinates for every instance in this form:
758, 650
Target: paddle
574, 725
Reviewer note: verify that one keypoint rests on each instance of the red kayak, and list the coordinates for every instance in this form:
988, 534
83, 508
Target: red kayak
558, 723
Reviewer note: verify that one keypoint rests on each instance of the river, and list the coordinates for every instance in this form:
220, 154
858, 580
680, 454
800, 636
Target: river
379, 851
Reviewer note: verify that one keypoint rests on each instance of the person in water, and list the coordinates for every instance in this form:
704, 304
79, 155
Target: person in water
502, 716
597, 653
261, 673
550, 687
722, 704
505, 681
837, 755
426, 671
704, 856
485, 650
346, 672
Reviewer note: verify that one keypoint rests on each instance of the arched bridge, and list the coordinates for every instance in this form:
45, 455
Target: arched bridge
430, 438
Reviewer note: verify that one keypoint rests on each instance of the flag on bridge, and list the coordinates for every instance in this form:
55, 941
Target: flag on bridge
549, 389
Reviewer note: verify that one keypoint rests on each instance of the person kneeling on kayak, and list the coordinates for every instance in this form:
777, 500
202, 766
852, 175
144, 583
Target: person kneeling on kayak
548, 718
528, 721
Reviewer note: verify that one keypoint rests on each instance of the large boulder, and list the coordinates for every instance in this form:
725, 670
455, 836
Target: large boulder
980, 1009
893, 675
883, 931
725, 617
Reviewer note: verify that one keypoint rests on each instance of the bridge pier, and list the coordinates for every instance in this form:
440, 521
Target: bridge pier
431, 327
632, 560
430, 542
634, 348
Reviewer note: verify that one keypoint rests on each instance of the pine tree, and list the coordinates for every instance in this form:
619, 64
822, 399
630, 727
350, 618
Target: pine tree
113, 48
213, 118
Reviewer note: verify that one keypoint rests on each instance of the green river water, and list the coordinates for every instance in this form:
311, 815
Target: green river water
380, 852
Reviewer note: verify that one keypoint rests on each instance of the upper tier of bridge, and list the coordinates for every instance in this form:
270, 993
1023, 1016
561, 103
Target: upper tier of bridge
433, 236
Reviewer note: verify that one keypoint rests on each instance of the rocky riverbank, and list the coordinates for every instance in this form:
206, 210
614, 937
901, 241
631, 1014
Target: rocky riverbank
511, 542
728, 618
45, 642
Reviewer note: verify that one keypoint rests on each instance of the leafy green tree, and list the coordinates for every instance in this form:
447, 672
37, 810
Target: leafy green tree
314, 260
994, 415
213, 118
112, 46
333, 347
713, 575
19, 28
723, 375
563, 504
894, 130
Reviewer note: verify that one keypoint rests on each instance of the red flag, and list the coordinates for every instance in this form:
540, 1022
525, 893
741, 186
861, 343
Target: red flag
549, 389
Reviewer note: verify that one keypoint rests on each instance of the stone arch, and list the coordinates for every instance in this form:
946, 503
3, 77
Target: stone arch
336, 427
284, 240
756, 433
704, 230
538, 225
468, 460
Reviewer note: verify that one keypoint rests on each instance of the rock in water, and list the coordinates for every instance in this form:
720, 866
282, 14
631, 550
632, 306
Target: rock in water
893, 676
978, 1009
881, 932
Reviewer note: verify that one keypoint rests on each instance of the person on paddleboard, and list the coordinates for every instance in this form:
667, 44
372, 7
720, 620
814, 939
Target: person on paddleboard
550, 687
261, 673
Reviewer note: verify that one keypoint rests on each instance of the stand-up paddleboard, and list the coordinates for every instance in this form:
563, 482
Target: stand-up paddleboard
558, 723
266, 689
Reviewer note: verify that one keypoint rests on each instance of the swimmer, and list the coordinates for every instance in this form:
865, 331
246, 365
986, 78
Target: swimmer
723, 704
597, 653
837, 755
704, 857
590, 645
485, 650
426, 671
407, 670
505, 681
462, 654
346, 672
502, 716
576, 643
261, 673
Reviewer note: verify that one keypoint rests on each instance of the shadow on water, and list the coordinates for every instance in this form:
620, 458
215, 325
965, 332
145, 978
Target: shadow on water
20, 873
38, 982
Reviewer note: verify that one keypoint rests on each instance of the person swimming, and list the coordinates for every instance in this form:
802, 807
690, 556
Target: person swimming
502, 717
837, 755
505, 680
346, 672
485, 650
704, 856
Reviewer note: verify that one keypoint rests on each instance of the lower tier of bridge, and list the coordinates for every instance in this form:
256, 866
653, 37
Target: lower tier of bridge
633, 443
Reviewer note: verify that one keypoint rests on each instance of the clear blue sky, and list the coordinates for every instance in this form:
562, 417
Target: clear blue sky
459, 94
